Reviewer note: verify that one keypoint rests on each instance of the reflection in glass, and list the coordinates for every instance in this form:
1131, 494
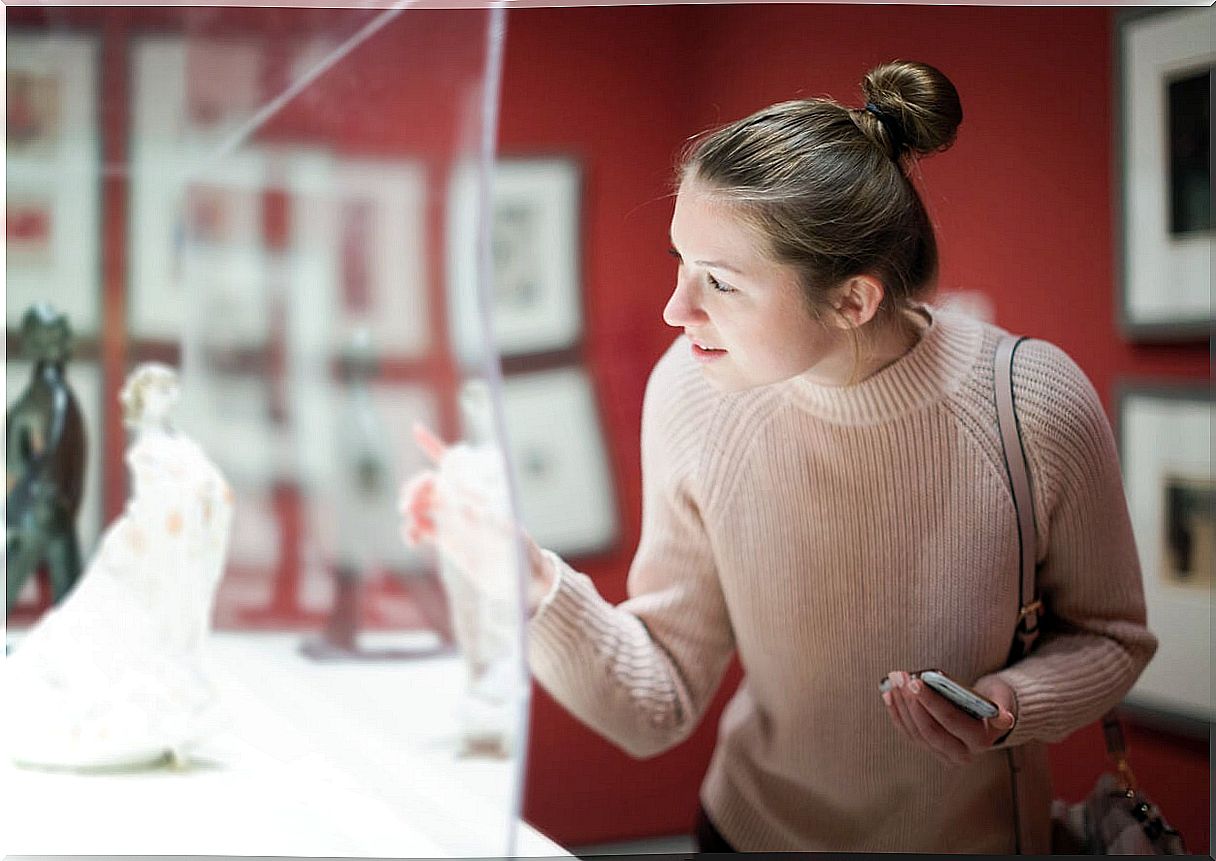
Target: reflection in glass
284, 176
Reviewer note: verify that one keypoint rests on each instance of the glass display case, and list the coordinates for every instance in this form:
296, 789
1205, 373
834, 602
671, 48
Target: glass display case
287, 209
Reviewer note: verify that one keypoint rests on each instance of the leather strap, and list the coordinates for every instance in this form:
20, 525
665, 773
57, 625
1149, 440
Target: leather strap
1029, 607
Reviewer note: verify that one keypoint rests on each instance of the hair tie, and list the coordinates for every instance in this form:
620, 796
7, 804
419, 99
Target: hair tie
892, 125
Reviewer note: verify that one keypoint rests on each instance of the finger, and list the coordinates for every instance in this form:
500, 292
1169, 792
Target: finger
935, 735
970, 731
888, 698
431, 445
423, 481
416, 502
1000, 724
898, 680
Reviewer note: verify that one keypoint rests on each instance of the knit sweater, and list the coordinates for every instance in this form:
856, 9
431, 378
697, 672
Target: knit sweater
829, 535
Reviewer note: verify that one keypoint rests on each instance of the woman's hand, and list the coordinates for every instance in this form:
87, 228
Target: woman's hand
928, 719
447, 508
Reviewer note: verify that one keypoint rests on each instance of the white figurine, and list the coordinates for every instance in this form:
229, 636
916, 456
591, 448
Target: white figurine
113, 675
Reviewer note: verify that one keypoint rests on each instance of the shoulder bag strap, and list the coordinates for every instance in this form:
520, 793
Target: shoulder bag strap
1029, 607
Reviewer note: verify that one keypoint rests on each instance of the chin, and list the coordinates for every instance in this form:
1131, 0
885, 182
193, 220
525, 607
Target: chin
727, 383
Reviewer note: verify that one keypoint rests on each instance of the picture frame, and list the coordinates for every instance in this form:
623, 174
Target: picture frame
559, 461
379, 229
1164, 60
1165, 443
535, 279
362, 454
196, 247
53, 177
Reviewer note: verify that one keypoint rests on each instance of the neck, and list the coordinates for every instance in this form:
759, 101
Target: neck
860, 355
894, 342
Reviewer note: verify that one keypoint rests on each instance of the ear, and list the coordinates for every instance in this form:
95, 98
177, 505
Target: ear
858, 300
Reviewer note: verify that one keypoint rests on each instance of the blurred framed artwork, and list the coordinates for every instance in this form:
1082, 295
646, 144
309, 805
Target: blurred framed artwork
534, 258
379, 209
560, 461
1165, 441
52, 174
1165, 60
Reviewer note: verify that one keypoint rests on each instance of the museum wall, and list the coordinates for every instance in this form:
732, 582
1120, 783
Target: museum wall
1024, 203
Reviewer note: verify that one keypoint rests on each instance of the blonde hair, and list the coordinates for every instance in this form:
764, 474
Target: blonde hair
138, 381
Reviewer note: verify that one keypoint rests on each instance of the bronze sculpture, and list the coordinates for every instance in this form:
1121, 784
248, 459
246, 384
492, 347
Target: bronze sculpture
44, 461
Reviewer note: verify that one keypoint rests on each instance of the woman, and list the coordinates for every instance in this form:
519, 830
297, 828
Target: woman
824, 494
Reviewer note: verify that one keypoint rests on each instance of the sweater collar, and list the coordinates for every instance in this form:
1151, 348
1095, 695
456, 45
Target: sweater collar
934, 366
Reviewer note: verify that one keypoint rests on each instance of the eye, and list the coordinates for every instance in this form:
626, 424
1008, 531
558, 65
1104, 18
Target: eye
718, 285
675, 254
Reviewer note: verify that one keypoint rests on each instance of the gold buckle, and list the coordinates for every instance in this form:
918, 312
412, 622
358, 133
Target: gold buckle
1034, 607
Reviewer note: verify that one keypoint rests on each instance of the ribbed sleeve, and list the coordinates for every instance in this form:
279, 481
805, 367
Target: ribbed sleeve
641, 674
1094, 642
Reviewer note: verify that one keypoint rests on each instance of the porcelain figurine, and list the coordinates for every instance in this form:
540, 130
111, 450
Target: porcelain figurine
114, 675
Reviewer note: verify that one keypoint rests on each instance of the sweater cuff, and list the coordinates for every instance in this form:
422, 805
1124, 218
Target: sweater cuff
561, 614
556, 565
1032, 720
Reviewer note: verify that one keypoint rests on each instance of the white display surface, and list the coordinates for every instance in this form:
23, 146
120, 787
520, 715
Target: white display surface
318, 760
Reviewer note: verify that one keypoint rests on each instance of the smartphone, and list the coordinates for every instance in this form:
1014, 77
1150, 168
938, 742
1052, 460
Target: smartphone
961, 697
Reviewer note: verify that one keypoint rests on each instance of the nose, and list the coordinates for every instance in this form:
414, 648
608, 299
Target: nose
683, 308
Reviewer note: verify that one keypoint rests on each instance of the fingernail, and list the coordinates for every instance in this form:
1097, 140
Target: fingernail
886, 697
914, 686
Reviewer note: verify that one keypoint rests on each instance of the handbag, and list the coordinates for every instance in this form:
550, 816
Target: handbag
1116, 818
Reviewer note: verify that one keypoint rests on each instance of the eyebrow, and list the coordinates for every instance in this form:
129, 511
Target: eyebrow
712, 263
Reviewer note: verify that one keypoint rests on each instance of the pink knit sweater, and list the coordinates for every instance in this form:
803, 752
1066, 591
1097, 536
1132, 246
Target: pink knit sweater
829, 535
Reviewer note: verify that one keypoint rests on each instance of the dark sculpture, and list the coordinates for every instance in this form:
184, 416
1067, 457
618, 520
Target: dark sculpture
44, 461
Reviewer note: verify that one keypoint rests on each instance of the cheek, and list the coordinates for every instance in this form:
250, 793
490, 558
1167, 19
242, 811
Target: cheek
786, 343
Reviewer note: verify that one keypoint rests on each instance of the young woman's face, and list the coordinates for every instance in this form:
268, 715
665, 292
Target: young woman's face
743, 313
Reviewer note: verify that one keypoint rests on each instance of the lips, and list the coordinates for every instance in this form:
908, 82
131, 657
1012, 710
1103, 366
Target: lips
705, 354
706, 347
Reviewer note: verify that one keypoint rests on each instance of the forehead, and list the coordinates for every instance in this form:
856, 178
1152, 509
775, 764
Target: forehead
704, 225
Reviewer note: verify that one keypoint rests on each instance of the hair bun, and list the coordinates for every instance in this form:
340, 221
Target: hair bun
911, 106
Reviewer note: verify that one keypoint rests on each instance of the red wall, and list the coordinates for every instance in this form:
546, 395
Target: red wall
1024, 208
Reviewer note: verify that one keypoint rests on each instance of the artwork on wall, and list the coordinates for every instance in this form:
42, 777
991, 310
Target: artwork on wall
196, 242
1165, 436
85, 380
52, 199
379, 217
368, 452
231, 416
560, 461
535, 285
1165, 85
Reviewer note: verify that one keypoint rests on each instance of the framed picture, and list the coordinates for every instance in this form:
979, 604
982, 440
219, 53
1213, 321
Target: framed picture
379, 224
52, 205
559, 461
1165, 61
364, 451
85, 380
1165, 440
196, 245
536, 295
231, 416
